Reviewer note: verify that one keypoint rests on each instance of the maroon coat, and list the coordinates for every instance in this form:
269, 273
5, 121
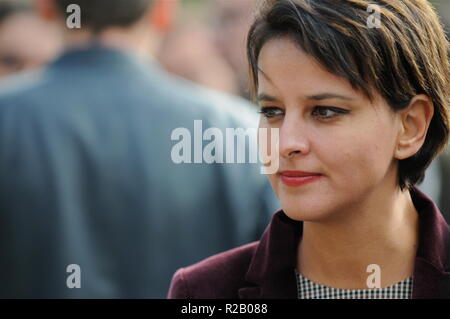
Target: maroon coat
265, 269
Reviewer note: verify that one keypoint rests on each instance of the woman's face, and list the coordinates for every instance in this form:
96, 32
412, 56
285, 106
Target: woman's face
325, 128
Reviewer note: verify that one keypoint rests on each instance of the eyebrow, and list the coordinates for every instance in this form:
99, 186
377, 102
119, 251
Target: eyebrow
326, 96
318, 97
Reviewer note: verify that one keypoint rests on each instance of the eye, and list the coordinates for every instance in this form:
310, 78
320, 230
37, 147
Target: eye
327, 112
270, 111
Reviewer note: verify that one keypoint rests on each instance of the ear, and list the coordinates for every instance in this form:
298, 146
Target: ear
46, 9
415, 121
162, 15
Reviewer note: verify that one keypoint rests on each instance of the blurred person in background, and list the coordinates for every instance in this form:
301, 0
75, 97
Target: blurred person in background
91, 203
443, 8
444, 183
26, 41
188, 51
231, 20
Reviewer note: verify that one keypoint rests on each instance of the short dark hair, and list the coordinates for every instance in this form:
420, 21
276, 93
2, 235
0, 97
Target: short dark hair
12, 7
406, 56
98, 15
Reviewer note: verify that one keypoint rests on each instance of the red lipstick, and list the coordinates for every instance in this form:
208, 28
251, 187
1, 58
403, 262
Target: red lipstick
298, 178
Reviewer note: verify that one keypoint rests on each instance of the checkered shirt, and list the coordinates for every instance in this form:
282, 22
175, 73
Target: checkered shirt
308, 289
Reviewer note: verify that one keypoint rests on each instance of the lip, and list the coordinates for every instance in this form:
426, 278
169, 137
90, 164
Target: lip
298, 178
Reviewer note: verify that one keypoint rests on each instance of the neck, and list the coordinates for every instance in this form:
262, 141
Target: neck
136, 41
382, 230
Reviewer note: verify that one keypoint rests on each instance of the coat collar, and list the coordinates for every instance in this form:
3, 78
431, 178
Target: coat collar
99, 57
272, 268
432, 264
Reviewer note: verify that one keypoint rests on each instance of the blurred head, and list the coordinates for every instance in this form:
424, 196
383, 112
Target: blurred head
100, 15
25, 40
188, 51
232, 20
127, 21
361, 110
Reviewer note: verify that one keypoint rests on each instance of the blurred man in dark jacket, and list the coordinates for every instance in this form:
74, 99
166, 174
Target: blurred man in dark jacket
92, 205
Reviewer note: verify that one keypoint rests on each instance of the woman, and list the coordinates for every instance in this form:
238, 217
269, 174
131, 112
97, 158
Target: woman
361, 113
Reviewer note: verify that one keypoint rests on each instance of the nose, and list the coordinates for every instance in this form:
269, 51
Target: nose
293, 137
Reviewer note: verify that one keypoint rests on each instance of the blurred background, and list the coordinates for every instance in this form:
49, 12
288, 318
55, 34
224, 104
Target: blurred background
211, 34
208, 34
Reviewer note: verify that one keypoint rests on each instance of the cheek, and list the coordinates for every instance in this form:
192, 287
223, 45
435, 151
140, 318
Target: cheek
380, 140
356, 159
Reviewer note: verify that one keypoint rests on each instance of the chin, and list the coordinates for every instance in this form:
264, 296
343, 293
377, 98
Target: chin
306, 214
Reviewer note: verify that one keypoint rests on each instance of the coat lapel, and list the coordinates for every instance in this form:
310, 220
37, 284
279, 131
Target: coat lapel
272, 269
430, 282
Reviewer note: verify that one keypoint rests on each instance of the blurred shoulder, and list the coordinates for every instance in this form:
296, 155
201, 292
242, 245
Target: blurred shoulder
220, 276
19, 84
193, 98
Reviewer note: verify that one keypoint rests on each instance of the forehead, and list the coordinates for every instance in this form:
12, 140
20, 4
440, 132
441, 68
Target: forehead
285, 67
